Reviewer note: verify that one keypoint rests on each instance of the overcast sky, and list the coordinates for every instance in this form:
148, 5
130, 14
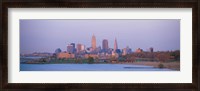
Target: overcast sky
48, 35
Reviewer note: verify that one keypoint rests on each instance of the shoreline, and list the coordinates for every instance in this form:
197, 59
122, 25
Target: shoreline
168, 65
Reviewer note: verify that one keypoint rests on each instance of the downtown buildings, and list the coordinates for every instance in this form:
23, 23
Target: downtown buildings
104, 52
105, 44
93, 42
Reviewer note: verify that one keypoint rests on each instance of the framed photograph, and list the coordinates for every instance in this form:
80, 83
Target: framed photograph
138, 45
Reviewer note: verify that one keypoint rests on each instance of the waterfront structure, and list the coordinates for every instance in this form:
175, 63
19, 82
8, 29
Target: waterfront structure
105, 44
139, 50
93, 42
65, 55
70, 48
115, 55
126, 51
115, 45
105, 56
95, 56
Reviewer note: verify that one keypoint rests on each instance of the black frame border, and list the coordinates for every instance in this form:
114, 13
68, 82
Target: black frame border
194, 4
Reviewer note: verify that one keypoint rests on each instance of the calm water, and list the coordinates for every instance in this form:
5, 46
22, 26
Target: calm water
87, 67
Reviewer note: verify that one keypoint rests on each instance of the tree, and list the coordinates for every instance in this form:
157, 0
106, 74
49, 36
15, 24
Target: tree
132, 58
90, 60
121, 59
163, 57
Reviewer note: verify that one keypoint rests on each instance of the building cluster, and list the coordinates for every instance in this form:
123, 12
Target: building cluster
80, 50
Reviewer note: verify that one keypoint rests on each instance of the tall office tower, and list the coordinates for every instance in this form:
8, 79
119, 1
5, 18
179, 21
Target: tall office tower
93, 42
115, 45
105, 44
78, 47
70, 48
74, 49
73, 44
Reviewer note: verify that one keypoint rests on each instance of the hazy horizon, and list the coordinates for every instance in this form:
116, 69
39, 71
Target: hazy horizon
48, 35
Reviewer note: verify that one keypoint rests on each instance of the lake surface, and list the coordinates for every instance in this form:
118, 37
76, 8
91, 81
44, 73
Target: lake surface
88, 67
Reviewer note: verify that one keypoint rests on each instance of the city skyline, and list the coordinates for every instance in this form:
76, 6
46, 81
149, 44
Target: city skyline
163, 40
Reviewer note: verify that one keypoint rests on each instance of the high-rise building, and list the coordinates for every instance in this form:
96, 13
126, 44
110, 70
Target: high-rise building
82, 47
151, 49
73, 44
98, 49
126, 51
115, 45
74, 49
70, 48
105, 44
93, 42
78, 47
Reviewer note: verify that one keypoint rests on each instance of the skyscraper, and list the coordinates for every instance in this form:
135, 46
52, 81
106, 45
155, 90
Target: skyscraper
70, 48
105, 44
115, 45
74, 49
78, 47
82, 47
93, 42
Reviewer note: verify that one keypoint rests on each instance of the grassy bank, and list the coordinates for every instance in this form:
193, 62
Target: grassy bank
169, 65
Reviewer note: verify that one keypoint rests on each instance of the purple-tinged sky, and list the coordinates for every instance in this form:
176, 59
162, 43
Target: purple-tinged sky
48, 35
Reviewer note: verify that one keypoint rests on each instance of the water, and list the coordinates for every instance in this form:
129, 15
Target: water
88, 67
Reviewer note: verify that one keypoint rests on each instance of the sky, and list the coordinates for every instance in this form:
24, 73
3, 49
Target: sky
47, 35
